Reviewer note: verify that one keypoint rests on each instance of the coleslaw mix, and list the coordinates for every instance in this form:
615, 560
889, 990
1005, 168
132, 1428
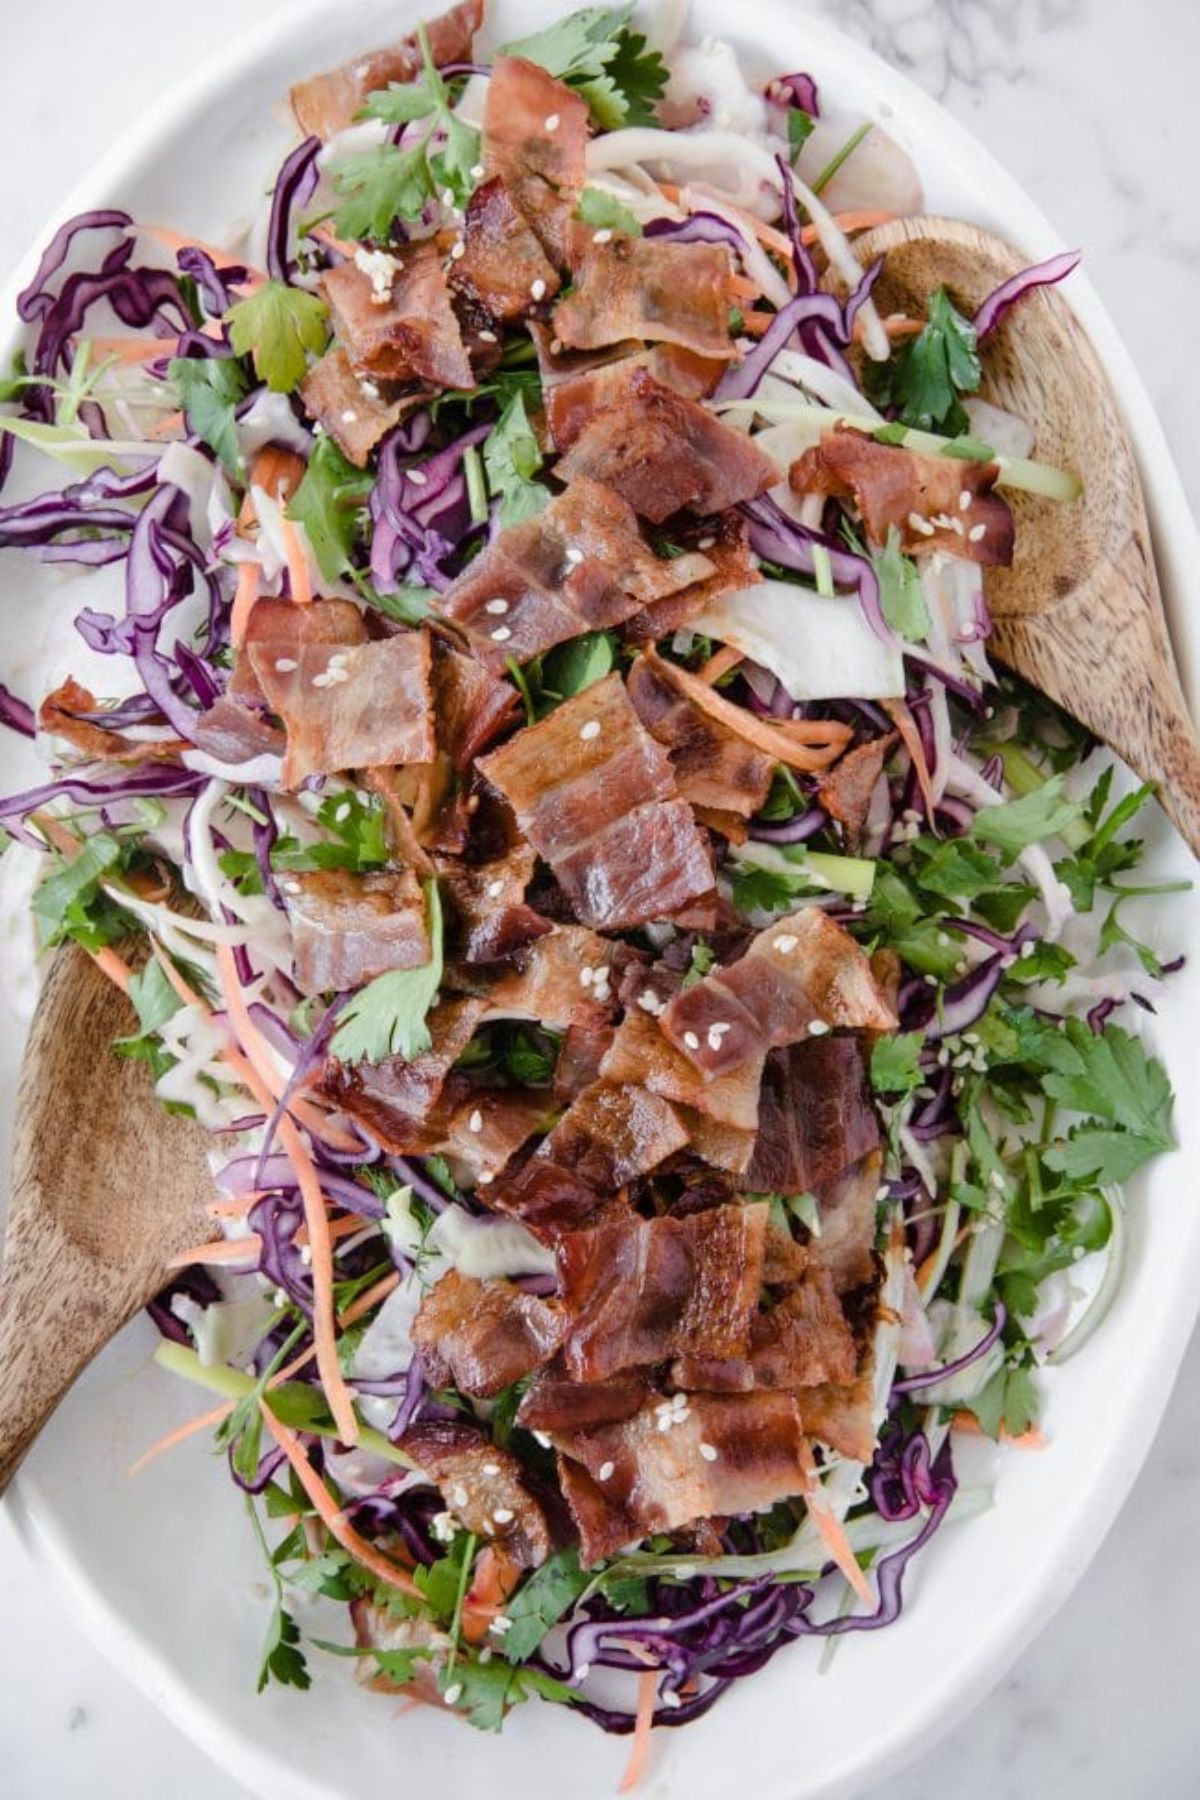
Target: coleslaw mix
547, 416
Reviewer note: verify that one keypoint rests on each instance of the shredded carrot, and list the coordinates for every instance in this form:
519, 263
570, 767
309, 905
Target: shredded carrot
277, 472
346, 246
635, 1767
905, 724
925, 1272
164, 428
232, 1209
969, 1425
372, 1559
135, 349
864, 220
114, 966
757, 324
249, 574
833, 1534
220, 1250
825, 738
896, 325
324, 1326
726, 658
180, 1435
178, 240
742, 288
357, 1309
346, 1226
297, 562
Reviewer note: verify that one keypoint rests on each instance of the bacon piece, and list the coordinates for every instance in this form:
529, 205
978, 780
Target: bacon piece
232, 733
848, 1205
326, 104
585, 1044
815, 1116
784, 1260
726, 544
594, 795
611, 1134
352, 708
348, 928
490, 921
580, 565
411, 331
713, 767
277, 630
892, 486
663, 453
842, 1416
503, 267
556, 1403
60, 713
375, 1628
641, 1290
567, 970
483, 1335
800, 970
649, 289
802, 1342
845, 790
395, 1099
641, 1054
535, 133
472, 706
717, 1455
482, 1485
490, 1125
354, 410
548, 1199
578, 384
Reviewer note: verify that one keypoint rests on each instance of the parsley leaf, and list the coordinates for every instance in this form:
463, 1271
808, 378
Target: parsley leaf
388, 1016
896, 1063
925, 378
210, 389
799, 129
512, 458
378, 186
279, 326
606, 213
1015, 824
328, 503
900, 592
550, 1592
63, 900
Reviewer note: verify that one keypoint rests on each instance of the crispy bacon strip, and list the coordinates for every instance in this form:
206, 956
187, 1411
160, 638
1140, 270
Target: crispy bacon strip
409, 331
348, 928
326, 104
355, 410
535, 133
484, 1335
648, 288
503, 267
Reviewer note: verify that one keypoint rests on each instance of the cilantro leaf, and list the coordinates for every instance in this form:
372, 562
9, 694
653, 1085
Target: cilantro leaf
606, 213
636, 77
900, 593
400, 103
927, 375
328, 503
377, 187
582, 43
1013, 825
279, 326
62, 899
1113, 1078
541, 1601
799, 129
571, 667
1010, 1402
210, 389
512, 458
154, 999
593, 51
896, 1063
388, 1016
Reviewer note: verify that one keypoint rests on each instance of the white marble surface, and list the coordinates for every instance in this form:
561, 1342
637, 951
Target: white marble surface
1092, 104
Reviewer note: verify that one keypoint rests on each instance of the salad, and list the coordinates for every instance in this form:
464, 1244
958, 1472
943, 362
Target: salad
663, 1003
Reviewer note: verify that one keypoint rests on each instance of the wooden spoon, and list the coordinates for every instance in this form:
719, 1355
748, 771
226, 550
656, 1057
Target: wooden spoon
1079, 614
106, 1187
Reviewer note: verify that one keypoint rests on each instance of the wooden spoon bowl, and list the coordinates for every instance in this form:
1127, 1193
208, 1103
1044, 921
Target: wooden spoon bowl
106, 1188
1080, 613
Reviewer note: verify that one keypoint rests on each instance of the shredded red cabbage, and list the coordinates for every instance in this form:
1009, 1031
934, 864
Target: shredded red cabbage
1003, 298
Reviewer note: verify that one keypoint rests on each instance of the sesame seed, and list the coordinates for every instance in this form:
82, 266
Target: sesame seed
882, 1192
582, 1672
367, 389
964, 500
996, 1180
457, 250
603, 236
500, 1624
488, 337
786, 944
977, 533
691, 1040
323, 681
476, 172
921, 525
453, 1693
494, 889
606, 1471
573, 555
443, 1526
818, 1027
496, 607
586, 975
349, 417
306, 1255
590, 730
447, 196
475, 1123
285, 664
671, 1699
538, 289
460, 1496
540, 1437
417, 478
931, 981
943, 1057
486, 1177
503, 1515
709, 1452
501, 634
552, 122
1028, 948
705, 543
649, 1002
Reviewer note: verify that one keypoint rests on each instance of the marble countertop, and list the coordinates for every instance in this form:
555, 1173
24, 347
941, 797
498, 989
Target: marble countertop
1096, 114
